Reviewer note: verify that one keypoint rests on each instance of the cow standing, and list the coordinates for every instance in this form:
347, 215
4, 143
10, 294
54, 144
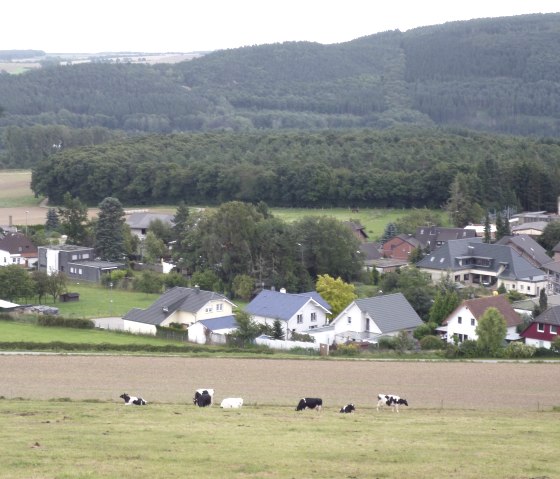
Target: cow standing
200, 392
310, 403
390, 400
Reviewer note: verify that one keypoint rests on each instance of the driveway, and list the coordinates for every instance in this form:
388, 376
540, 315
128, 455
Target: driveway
116, 324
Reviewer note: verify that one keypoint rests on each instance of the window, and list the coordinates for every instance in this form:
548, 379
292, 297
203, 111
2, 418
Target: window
219, 307
460, 320
74, 256
313, 317
540, 327
79, 270
208, 309
85, 255
72, 269
528, 288
553, 329
466, 277
349, 319
472, 322
300, 318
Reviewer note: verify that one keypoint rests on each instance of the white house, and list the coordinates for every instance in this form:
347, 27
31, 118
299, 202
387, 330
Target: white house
367, 319
299, 313
461, 324
178, 305
212, 331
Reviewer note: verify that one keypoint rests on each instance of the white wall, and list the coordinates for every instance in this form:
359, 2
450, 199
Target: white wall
139, 328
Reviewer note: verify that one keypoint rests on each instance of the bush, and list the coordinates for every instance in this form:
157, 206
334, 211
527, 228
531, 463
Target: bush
519, 351
426, 329
60, 322
432, 343
346, 350
469, 349
6, 317
451, 350
387, 342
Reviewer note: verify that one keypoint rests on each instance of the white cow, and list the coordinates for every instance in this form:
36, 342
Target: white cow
232, 403
390, 400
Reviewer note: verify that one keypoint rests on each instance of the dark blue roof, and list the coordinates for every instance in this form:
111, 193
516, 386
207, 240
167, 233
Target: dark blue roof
214, 324
276, 305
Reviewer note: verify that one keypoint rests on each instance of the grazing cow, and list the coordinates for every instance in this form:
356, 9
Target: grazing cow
348, 408
133, 400
232, 403
200, 392
390, 400
203, 400
311, 403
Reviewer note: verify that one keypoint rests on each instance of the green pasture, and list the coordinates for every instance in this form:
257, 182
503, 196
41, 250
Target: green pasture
12, 331
97, 301
66, 439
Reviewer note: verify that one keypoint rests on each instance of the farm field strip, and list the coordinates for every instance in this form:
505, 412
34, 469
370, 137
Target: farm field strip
282, 382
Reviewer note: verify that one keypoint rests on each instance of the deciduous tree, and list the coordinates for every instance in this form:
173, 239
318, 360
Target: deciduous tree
491, 331
336, 292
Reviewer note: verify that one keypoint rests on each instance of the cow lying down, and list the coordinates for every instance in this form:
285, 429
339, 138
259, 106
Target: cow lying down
232, 403
133, 400
347, 409
203, 397
309, 403
390, 400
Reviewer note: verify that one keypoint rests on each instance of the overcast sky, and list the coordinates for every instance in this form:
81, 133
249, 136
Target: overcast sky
86, 26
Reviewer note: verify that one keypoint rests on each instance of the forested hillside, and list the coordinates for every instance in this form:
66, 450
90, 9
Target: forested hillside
398, 168
493, 75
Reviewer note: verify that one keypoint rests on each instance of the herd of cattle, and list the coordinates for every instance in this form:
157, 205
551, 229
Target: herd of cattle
205, 397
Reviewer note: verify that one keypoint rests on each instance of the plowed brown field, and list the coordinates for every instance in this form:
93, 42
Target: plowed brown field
464, 385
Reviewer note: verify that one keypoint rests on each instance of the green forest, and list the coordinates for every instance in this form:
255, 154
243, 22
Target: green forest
391, 119
494, 75
397, 168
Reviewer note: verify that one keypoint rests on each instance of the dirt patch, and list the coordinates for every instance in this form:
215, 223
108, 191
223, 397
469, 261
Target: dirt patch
283, 382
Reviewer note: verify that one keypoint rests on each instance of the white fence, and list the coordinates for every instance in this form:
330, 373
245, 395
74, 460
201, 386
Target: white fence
281, 344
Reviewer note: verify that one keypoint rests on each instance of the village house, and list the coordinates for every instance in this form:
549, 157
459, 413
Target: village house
461, 324
76, 262
473, 262
368, 319
432, 237
543, 330
16, 248
400, 247
178, 305
298, 312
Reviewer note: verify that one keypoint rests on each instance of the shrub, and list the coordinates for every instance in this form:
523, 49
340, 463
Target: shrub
432, 343
60, 322
519, 351
346, 350
451, 350
6, 317
469, 349
387, 342
426, 329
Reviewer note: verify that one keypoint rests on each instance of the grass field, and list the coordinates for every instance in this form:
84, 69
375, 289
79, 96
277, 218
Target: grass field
97, 301
59, 439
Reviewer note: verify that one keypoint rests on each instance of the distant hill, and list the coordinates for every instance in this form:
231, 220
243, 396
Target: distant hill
498, 75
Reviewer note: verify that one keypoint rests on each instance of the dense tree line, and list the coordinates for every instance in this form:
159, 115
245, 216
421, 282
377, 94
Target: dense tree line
398, 168
498, 75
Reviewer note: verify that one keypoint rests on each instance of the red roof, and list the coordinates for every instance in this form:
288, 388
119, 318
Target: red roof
478, 307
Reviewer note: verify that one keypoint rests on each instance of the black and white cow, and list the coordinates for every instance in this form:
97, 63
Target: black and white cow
203, 400
133, 400
390, 400
310, 403
201, 392
347, 409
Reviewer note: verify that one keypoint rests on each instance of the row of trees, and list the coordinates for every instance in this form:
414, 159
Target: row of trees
401, 168
17, 283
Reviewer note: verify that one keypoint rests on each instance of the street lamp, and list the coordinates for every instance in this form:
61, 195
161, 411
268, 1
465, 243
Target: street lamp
111, 299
